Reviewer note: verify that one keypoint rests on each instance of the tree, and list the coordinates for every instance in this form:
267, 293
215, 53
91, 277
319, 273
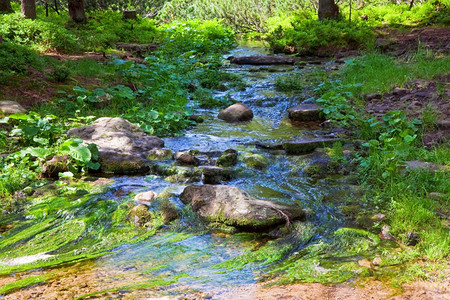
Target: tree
76, 11
5, 5
28, 8
328, 10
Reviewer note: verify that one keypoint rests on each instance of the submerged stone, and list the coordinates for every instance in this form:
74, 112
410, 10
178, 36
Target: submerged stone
306, 145
232, 206
306, 112
254, 160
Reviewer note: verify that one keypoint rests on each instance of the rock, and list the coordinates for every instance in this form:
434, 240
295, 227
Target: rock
437, 196
415, 165
254, 160
412, 239
263, 60
160, 154
365, 263
306, 112
122, 145
385, 233
269, 146
399, 91
376, 261
237, 112
306, 145
11, 107
370, 97
379, 217
58, 164
186, 159
443, 124
232, 206
139, 215
228, 158
129, 14
215, 175
145, 197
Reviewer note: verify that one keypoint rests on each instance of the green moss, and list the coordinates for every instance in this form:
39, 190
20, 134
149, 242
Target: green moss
255, 161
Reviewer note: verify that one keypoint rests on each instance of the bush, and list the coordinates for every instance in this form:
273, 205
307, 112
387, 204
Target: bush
15, 59
309, 36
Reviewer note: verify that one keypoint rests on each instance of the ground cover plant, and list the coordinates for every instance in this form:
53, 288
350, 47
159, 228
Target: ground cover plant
63, 213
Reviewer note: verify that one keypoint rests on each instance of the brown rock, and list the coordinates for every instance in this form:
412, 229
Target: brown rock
186, 159
237, 112
11, 107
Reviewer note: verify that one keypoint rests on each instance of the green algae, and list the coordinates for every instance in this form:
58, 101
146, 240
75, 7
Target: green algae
26, 282
156, 282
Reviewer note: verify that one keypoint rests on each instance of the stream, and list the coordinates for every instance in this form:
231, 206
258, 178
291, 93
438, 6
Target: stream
179, 261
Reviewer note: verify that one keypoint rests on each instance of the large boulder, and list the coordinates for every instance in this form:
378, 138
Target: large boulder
11, 107
122, 145
237, 112
232, 206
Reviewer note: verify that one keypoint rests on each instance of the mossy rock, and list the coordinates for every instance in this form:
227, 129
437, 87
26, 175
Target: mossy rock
160, 154
139, 215
227, 159
254, 160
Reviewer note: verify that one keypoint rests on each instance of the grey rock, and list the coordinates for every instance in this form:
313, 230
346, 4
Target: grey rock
186, 159
232, 206
215, 175
122, 145
11, 107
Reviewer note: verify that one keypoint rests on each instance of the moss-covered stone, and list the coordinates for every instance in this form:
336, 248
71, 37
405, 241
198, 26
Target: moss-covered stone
139, 215
254, 160
227, 159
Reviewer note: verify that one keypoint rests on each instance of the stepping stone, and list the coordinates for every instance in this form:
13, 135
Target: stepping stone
306, 145
306, 112
263, 60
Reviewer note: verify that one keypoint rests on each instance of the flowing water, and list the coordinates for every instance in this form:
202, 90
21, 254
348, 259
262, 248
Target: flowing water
178, 260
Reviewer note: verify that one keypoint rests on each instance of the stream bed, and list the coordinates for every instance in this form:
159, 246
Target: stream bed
185, 260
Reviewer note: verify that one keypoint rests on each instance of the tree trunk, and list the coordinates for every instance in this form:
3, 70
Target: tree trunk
76, 11
328, 10
5, 5
28, 8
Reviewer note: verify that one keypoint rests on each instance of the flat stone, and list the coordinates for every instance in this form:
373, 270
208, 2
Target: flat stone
306, 112
424, 165
11, 107
263, 60
232, 206
306, 145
